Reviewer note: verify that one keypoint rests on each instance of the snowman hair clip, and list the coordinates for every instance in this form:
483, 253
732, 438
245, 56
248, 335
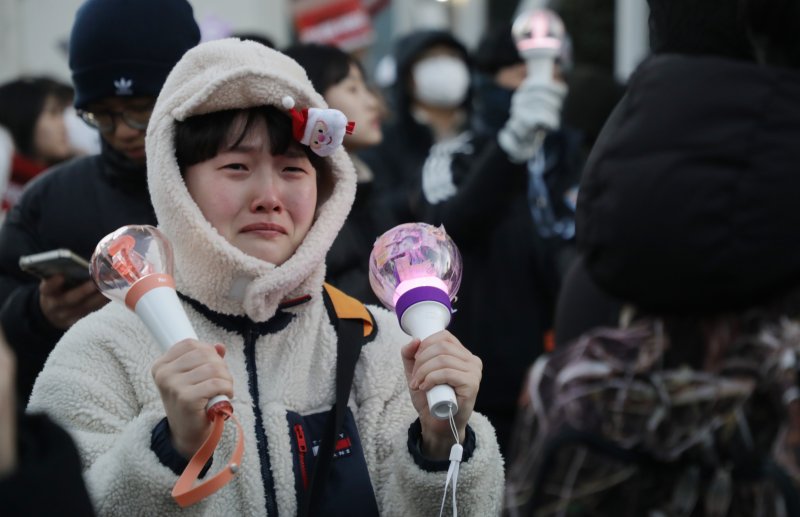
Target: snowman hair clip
322, 130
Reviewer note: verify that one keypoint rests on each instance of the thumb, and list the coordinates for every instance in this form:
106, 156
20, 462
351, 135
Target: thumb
409, 353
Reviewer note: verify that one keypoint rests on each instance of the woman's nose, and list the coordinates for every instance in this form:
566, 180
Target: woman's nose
266, 195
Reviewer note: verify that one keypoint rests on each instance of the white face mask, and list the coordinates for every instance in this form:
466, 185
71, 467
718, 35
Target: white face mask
441, 81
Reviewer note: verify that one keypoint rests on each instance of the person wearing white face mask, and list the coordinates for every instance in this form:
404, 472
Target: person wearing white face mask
429, 103
440, 82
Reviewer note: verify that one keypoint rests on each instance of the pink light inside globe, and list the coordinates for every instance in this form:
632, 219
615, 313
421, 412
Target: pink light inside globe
414, 255
538, 29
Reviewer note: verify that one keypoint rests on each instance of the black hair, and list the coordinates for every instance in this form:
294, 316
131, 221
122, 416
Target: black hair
21, 102
201, 137
258, 38
708, 27
772, 26
325, 65
496, 50
750, 30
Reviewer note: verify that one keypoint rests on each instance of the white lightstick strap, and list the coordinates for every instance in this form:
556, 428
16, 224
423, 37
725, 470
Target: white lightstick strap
456, 454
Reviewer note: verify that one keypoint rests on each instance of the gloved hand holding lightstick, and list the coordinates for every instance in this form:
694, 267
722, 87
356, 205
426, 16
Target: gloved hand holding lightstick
133, 265
536, 105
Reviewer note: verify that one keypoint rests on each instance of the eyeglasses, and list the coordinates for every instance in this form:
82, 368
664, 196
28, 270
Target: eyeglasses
106, 121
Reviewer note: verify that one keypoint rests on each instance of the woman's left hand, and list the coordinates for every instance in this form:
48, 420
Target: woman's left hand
441, 359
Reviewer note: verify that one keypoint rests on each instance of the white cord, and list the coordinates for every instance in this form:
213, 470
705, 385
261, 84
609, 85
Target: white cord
456, 453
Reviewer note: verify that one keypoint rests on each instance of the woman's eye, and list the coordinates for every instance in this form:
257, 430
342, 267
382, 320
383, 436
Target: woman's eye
235, 166
294, 169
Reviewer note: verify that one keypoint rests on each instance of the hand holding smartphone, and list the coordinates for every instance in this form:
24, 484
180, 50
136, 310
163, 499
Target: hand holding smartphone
57, 262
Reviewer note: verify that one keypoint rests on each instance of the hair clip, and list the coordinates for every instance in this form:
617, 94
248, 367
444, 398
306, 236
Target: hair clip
322, 130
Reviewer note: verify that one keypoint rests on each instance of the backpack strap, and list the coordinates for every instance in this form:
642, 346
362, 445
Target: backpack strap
343, 306
354, 327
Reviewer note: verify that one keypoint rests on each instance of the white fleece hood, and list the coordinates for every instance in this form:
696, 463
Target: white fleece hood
221, 75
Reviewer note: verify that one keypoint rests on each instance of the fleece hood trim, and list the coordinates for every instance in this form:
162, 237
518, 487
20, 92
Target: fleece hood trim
216, 76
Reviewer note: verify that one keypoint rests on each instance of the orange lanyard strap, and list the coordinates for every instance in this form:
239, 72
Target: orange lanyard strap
185, 492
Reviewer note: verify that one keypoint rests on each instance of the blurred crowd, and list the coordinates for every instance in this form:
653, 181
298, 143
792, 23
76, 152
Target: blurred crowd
630, 262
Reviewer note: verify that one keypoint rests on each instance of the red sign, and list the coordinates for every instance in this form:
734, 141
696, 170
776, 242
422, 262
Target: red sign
343, 23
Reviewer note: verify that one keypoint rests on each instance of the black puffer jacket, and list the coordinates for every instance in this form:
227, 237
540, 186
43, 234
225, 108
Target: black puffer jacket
71, 206
689, 199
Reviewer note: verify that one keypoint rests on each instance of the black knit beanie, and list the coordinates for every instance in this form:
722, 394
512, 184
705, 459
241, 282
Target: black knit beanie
123, 48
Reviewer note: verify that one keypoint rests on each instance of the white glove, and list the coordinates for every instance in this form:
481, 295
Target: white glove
535, 106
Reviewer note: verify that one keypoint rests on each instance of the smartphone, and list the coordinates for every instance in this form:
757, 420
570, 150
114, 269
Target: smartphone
61, 261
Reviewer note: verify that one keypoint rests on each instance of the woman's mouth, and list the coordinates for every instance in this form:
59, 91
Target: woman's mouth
264, 227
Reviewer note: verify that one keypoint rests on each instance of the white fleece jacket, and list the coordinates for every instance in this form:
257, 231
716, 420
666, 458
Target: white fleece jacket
97, 382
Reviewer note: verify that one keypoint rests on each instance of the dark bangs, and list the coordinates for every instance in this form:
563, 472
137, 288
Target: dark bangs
201, 137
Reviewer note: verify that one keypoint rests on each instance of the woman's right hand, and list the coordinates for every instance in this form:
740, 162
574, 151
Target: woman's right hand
187, 376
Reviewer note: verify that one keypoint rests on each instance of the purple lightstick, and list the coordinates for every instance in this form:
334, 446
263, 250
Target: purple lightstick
415, 270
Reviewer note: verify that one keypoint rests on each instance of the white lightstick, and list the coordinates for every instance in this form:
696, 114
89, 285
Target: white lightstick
540, 38
133, 265
415, 270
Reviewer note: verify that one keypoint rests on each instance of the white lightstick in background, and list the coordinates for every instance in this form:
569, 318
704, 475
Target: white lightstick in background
415, 270
541, 38
133, 265
542, 42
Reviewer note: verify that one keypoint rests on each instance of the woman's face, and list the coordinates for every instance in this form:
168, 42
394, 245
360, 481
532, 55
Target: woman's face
262, 204
352, 97
50, 141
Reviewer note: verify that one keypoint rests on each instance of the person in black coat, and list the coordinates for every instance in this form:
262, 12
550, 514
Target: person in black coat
654, 194
119, 53
687, 219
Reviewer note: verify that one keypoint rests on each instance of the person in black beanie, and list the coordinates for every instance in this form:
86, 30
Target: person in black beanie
120, 53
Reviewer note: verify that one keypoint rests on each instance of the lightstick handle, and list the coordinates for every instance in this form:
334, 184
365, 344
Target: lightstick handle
162, 313
540, 68
421, 320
